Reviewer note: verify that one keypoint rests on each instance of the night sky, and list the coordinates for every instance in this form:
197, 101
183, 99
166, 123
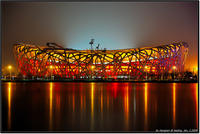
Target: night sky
113, 25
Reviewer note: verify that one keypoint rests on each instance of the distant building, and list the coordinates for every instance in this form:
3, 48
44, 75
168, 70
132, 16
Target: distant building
133, 63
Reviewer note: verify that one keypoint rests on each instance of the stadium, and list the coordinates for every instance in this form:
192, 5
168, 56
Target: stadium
134, 63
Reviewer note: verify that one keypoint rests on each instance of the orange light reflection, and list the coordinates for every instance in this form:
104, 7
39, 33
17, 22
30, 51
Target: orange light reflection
174, 105
196, 98
92, 98
9, 105
50, 104
126, 106
92, 106
145, 103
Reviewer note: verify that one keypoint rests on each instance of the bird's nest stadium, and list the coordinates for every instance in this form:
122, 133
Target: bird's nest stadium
133, 63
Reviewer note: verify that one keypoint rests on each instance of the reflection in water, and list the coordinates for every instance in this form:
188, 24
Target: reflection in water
174, 104
84, 102
73, 102
196, 100
9, 105
100, 106
108, 101
126, 106
50, 104
102, 100
81, 101
145, 104
134, 104
92, 105
73, 98
58, 103
115, 85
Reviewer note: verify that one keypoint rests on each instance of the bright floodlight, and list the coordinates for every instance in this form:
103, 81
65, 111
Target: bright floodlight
51, 67
92, 67
9, 67
174, 67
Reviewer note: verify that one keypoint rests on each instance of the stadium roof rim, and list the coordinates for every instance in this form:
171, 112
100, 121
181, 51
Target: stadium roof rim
185, 44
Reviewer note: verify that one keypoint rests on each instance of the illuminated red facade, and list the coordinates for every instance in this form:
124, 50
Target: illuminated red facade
134, 63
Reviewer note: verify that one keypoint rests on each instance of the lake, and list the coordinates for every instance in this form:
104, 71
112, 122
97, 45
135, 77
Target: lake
99, 107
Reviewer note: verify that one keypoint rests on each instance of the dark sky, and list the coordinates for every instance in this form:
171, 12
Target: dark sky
113, 25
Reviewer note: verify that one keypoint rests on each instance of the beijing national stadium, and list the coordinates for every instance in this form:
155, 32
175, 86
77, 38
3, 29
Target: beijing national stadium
135, 63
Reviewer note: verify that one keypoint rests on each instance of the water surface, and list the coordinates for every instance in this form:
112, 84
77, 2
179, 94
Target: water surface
59, 106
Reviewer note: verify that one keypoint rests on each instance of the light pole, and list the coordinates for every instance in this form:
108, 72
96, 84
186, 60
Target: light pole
9, 68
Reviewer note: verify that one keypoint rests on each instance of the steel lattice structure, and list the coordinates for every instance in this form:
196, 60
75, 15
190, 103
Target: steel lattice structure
134, 63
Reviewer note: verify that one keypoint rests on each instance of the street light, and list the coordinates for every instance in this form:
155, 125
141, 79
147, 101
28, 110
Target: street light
10, 68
